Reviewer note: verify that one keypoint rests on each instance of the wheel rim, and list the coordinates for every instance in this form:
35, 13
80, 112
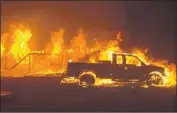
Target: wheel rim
155, 79
83, 84
86, 81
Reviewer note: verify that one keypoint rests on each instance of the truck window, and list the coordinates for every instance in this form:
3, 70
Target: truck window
119, 60
132, 60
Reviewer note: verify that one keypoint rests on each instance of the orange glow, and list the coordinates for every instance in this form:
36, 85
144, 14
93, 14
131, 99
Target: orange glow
98, 81
170, 69
70, 60
78, 50
57, 41
110, 48
20, 47
79, 45
47, 72
2, 49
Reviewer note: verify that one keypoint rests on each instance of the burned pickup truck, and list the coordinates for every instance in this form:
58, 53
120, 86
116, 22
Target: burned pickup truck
123, 67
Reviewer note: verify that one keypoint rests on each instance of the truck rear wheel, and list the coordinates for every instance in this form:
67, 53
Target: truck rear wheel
87, 79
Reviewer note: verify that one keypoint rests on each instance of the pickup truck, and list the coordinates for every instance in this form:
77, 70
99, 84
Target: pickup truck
122, 67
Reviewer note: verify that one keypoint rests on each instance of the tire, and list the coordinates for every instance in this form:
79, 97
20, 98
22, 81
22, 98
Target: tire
87, 79
154, 79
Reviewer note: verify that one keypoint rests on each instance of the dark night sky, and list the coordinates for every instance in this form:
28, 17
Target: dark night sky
145, 24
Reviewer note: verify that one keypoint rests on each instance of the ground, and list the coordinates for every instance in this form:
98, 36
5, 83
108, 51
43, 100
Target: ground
46, 94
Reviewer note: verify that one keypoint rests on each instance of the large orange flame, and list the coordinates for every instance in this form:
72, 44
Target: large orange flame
170, 69
79, 45
78, 50
20, 47
57, 41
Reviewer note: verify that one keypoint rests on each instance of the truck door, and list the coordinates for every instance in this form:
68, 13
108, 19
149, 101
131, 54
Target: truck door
133, 67
118, 67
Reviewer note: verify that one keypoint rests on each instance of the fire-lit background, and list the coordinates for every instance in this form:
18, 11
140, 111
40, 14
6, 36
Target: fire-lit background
85, 31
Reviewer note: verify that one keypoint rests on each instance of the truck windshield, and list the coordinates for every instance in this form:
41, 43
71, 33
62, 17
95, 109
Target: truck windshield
132, 60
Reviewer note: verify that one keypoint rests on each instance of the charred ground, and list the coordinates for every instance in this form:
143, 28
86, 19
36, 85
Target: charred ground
46, 94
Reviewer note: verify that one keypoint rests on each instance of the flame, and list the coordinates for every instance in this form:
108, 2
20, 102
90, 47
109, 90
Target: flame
141, 55
144, 86
40, 52
2, 49
70, 60
69, 80
78, 50
47, 72
105, 81
20, 47
79, 45
111, 47
170, 72
170, 69
57, 41
98, 81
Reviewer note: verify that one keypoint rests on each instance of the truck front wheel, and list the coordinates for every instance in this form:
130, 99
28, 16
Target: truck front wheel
155, 78
87, 79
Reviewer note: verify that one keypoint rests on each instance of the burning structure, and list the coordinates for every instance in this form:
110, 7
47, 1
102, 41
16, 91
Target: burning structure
17, 59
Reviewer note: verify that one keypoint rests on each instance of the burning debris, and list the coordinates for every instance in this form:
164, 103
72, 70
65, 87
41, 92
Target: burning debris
59, 54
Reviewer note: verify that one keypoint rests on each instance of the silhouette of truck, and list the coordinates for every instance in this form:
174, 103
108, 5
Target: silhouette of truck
122, 67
